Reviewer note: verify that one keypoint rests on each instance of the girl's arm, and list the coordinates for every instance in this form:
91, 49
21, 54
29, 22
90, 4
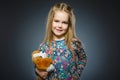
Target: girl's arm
81, 58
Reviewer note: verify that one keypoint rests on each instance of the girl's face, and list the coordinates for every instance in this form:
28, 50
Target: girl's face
60, 24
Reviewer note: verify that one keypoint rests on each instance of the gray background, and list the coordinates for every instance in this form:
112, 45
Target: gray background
22, 28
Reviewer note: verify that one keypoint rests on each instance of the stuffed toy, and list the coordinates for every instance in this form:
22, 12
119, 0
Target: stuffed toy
42, 61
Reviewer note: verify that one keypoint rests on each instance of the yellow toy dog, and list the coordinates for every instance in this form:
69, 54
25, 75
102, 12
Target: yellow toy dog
42, 61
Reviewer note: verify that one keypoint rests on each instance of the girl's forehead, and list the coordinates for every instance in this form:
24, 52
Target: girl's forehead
61, 13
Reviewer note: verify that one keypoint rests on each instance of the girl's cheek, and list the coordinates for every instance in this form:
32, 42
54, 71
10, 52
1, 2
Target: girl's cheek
54, 24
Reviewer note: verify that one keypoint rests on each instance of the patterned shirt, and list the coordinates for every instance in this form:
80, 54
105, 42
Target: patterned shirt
66, 68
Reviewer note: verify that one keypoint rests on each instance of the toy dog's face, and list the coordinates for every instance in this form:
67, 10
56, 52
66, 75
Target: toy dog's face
41, 60
39, 54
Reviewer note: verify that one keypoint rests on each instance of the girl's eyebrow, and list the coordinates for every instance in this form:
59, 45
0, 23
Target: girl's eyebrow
56, 20
65, 21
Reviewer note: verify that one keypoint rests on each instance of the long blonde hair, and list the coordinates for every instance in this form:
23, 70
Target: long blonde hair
71, 26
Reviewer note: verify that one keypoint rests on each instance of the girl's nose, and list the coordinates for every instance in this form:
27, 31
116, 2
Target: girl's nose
60, 25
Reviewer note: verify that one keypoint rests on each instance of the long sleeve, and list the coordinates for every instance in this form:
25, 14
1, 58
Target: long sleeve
80, 55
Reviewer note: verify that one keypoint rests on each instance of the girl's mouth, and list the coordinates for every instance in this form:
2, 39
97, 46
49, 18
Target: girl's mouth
58, 29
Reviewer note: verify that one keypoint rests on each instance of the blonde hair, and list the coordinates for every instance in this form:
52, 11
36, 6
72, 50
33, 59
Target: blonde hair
71, 26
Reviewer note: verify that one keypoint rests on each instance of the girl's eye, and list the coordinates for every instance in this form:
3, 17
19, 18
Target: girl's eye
56, 21
65, 22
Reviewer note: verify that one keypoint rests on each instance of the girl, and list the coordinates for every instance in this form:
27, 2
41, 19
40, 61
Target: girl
62, 45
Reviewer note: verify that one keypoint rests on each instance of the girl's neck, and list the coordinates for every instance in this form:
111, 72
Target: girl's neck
57, 38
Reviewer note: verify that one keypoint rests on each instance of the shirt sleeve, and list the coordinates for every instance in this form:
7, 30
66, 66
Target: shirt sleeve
80, 56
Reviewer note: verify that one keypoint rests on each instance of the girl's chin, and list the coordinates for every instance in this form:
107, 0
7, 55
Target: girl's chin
58, 35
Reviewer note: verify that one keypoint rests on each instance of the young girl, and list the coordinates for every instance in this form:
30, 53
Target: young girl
62, 45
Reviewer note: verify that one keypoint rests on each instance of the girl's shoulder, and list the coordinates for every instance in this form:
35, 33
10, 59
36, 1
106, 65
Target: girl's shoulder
76, 42
43, 44
75, 39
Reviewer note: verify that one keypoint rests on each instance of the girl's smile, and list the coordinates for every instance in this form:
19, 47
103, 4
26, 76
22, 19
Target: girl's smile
59, 30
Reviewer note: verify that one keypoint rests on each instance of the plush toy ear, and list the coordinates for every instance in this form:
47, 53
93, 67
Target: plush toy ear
35, 54
35, 51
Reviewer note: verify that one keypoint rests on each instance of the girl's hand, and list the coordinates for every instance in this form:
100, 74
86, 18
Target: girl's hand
42, 74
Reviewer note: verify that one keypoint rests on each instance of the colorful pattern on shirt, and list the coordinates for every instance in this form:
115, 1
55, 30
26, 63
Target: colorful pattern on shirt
65, 67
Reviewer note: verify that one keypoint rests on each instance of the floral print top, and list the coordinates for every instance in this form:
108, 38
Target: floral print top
66, 68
